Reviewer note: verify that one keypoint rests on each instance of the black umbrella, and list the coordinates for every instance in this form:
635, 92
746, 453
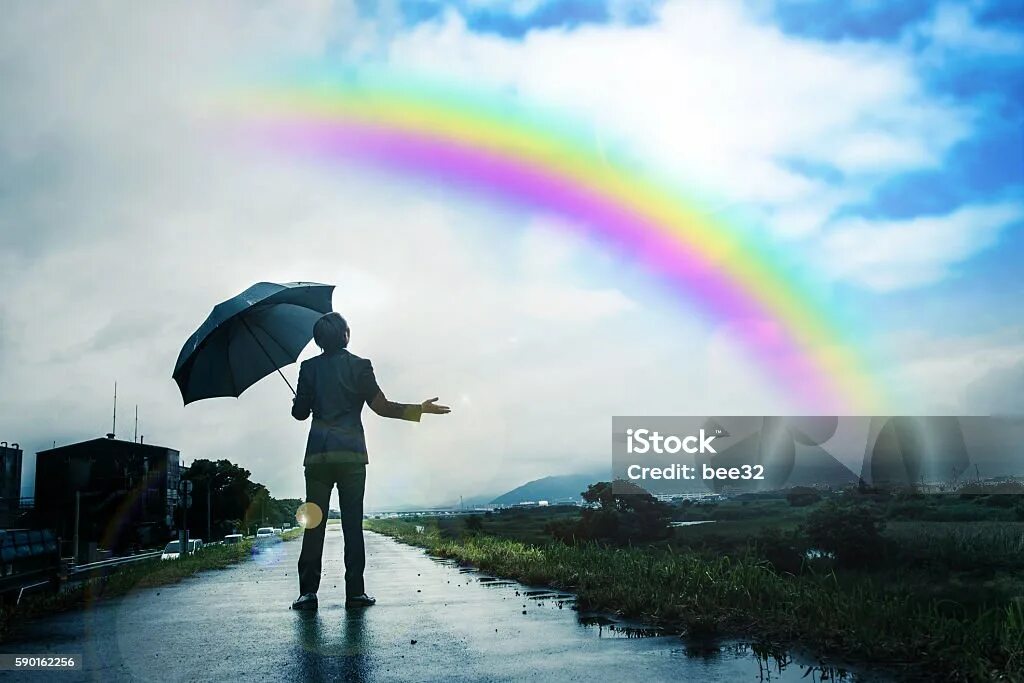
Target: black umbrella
248, 337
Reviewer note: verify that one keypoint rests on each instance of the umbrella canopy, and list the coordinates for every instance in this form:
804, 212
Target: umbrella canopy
248, 337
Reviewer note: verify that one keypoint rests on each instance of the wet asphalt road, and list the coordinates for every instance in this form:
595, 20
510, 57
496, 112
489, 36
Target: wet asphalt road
236, 624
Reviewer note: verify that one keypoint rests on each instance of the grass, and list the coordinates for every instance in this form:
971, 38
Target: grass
967, 545
143, 574
873, 618
526, 524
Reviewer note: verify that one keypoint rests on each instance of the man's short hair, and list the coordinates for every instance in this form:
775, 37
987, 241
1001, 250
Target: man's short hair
329, 332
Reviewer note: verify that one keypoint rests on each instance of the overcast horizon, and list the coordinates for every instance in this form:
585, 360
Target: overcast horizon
880, 145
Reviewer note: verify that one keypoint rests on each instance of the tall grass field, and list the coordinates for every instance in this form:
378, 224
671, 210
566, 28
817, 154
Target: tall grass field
867, 616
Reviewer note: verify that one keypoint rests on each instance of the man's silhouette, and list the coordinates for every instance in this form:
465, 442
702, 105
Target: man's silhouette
333, 388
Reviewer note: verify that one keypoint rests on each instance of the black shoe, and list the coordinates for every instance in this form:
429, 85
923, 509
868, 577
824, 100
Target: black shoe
363, 600
307, 601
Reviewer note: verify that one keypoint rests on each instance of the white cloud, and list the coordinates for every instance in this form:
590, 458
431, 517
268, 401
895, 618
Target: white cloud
573, 304
715, 97
889, 255
971, 374
1000, 391
874, 149
953, 27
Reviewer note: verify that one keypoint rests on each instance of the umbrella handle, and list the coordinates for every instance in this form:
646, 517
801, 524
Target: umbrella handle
269, 357
286, 381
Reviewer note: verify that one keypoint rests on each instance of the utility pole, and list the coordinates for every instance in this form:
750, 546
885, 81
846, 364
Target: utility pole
184, 496
184, 548
209, 513
113, 426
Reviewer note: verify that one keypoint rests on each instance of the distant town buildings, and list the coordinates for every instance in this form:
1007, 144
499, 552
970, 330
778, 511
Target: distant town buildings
121, 493
693, 497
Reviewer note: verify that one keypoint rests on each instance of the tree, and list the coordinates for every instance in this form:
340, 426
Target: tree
235, 502
230, 494
627, 515
256, 512
802, 496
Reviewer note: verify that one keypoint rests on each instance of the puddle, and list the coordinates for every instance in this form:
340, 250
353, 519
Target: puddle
774, 662
639, 631
443, 561
496, 583
612, 628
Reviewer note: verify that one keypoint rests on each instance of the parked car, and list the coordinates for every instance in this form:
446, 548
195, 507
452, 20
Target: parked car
232, 539
172, 550
264, 532
277, 531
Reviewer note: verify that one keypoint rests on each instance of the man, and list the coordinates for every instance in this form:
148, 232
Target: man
333, 388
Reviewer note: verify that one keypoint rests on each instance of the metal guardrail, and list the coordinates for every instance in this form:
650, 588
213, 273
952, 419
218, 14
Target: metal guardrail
112, 562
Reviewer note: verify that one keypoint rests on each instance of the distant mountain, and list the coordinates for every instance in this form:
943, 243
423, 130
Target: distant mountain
552, 489
786, 464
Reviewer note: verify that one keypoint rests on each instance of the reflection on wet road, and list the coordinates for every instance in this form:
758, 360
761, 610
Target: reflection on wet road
434, 621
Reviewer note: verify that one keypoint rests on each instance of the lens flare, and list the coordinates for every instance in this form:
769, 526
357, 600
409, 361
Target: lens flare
309, 515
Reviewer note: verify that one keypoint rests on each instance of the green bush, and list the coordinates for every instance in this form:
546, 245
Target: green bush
852, 533
802, 496
1002, 500
619, 518
908, 509
784, 551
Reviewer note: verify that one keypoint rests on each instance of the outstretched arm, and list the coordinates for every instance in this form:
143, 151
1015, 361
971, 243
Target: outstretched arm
405, 411
380, 404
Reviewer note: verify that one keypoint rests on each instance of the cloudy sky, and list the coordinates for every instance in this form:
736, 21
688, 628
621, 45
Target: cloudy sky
880, 143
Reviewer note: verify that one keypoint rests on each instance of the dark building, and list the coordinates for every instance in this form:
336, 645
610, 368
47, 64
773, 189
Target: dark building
126, 493
10, 484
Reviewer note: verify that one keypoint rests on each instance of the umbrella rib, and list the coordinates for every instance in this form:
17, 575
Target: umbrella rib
273, 339
264, 349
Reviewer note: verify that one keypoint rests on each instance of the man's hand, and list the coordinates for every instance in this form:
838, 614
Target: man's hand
430, 406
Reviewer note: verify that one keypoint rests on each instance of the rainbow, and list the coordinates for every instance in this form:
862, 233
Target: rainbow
497, 150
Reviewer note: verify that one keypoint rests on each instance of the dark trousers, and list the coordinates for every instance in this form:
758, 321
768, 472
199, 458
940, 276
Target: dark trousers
351, 482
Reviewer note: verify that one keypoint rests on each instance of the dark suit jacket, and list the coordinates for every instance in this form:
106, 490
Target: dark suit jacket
333, 387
